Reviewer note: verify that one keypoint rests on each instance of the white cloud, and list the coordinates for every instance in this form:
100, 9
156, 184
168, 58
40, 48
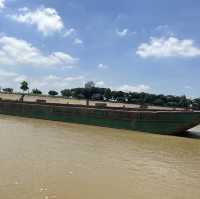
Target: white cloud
164, 29
188, 87
44, 83
100, 83
6, 74
64, 79
19, 52
51, 77
56, 82
24, 9
20, 78
78, 41
122, 33
2, 4
69, 32
70, 79
138, 88
102, 66
47, 20
168, 47
161, 27
9, 79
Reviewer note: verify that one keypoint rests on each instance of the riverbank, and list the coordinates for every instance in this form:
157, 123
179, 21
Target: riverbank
62, 100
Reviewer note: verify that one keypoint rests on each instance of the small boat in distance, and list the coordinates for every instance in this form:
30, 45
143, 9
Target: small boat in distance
145, 120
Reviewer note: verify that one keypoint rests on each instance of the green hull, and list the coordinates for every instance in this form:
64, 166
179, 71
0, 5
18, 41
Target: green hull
162, 122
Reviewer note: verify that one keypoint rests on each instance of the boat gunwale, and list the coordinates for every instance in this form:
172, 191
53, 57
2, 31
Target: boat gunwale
108, 108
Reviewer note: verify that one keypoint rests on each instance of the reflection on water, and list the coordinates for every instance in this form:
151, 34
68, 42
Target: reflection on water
42, 160
195, 132
189, 134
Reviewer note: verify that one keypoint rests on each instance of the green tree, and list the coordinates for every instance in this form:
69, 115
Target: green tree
53, 93
8, 90
66, 93
158, 102
196, 104
78, 93
36, 92
184, 102
24, 86
108, 94
97, 96
89, 86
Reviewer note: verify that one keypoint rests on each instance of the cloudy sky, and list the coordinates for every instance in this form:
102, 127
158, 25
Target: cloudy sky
131, 45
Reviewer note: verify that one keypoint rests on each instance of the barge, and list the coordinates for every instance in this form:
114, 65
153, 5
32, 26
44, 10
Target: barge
149, 120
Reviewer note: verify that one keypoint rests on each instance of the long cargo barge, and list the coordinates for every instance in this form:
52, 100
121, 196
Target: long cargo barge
154, 121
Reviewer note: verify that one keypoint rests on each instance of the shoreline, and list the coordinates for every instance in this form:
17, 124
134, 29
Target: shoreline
73, 101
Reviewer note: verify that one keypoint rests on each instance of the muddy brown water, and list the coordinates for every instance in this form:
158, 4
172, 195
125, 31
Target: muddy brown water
43, 160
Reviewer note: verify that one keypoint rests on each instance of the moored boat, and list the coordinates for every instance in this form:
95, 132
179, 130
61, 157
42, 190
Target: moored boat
154, 121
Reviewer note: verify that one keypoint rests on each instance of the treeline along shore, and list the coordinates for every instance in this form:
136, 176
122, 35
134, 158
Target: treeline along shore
93, 93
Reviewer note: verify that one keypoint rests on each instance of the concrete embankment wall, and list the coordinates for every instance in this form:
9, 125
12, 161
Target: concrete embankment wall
160, 122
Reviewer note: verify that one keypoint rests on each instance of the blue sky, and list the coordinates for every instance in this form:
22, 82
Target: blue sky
131, 45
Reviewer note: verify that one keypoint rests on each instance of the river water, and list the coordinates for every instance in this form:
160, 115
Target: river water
43, 160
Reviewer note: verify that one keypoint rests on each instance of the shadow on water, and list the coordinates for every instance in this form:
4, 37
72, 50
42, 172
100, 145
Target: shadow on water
189, 134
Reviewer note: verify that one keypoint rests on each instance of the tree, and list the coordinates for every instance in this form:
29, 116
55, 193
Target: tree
184, 102
88, 91
158, 102
24, 86
36, 91
8, 90
120, 96
89, 84
108, 94
97, 96
78, 93
196, 104
53, 93
66, 93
